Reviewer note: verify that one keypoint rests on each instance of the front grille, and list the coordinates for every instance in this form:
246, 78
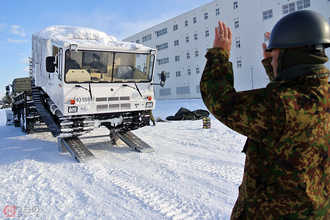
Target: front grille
114, 107
101, 99
111, 105
125, 98
125, 106
101, 107
111, 99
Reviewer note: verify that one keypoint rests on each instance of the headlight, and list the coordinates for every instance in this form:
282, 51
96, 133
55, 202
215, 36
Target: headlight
149, 104
73, 109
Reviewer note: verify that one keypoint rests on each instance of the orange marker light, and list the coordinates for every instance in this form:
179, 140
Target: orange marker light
149, 98
72, 101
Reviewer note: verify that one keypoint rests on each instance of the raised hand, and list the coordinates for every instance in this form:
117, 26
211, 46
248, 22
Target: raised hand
223, 36
266, 54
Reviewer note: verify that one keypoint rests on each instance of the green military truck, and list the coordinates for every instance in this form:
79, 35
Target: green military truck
24, 112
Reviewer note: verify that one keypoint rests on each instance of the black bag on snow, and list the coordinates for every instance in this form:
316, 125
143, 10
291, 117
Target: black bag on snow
185, 114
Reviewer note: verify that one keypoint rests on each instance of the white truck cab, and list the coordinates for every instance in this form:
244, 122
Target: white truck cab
89, 79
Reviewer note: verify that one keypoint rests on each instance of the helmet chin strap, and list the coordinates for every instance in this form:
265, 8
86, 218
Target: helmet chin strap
280, 60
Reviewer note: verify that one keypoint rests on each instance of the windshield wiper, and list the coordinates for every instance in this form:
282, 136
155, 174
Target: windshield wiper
136, 88
89, 90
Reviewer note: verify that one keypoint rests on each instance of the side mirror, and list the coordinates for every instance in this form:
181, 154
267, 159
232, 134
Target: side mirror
162, 78
50, 64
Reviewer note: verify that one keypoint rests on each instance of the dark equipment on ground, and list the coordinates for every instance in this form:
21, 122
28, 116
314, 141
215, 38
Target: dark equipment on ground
186, 114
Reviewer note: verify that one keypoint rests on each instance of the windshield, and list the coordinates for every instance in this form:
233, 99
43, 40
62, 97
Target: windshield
91, 66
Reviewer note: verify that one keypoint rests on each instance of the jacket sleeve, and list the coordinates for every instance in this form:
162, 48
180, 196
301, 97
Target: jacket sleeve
257, 114
269, 68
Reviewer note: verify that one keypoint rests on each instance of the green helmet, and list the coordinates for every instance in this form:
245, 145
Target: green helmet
300, 28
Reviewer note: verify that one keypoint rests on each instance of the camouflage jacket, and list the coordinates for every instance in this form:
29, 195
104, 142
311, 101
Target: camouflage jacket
287, 167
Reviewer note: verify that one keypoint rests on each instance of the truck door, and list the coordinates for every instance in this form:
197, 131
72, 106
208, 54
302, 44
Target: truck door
54, 80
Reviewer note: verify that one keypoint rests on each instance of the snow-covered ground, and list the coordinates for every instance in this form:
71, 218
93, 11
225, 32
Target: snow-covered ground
194, 173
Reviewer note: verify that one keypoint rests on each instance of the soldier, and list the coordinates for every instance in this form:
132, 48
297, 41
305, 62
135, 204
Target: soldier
152, 117
287, 124
69, 62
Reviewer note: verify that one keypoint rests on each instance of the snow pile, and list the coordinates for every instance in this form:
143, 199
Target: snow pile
194, 173
70, 32
82, 33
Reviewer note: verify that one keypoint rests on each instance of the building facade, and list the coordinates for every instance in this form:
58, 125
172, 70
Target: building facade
183, 41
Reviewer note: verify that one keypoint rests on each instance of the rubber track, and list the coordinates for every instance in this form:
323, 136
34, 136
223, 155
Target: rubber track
44, 113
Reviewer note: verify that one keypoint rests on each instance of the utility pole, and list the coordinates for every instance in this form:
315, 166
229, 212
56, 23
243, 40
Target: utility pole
252, 76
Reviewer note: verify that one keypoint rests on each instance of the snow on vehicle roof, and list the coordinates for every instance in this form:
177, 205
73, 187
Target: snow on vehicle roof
72, 34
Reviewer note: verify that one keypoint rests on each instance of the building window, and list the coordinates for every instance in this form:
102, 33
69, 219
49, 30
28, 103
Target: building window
187, 39
217, 11
188, 56
303, 4
163, 61
236, 24
194, 20
195, 37
146, 38
239, 63
238, 44
235, 5
162, 46
178, 73
197, 70
175, 27
196, 53
207, 33
198, 89
177, 58
267, 14
182, 90
189, 72
176, 43
206, 16
288, 8
165, 92
186, 23
161, 32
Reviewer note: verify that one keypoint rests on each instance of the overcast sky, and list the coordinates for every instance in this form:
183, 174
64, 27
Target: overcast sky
19, 19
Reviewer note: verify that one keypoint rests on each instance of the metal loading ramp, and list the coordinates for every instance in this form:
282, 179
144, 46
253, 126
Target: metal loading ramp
82, 154
133, 141
76, 148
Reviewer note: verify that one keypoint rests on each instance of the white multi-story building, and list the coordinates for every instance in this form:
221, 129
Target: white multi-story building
183, 41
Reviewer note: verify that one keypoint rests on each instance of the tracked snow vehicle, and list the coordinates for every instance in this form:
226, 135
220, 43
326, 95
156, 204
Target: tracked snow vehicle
82, 79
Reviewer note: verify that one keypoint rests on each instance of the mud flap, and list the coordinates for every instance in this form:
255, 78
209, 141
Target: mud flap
9, 116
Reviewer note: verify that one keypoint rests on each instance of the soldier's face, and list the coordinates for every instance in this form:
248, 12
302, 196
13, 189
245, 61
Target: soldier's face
274, 60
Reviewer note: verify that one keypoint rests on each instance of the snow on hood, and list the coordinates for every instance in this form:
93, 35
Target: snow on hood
82, 33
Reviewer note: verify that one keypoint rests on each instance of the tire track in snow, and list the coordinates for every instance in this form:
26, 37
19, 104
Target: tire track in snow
215, 178
217, 168
171, 204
